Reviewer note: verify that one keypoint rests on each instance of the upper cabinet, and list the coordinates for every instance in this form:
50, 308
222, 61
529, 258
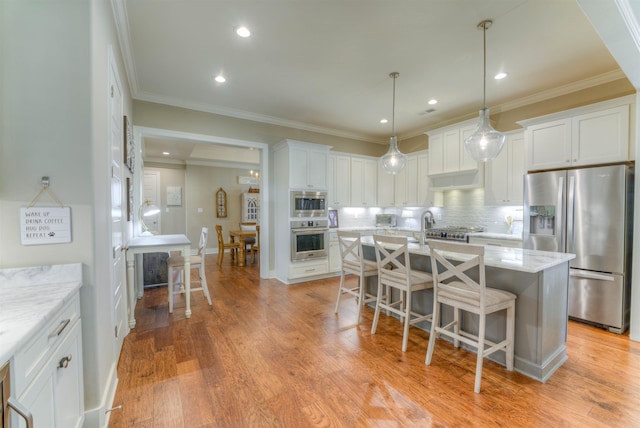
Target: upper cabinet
338, 179
594, 134
364, 182
450, 166
505, 174
386, 188
352, 181
406, 184
360, 181
307, 164
446, 149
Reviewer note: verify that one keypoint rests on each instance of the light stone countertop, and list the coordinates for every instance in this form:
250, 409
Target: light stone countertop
30, 297
531, 261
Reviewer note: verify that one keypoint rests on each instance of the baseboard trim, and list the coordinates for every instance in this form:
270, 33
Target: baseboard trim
98, 417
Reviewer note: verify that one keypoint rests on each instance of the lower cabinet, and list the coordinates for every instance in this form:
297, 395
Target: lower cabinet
48, 373
310, 268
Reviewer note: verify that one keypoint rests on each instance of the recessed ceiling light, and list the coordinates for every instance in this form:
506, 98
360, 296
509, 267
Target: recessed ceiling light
500, 76
166, 153
243, 31
433, 101
384, 121
220, 78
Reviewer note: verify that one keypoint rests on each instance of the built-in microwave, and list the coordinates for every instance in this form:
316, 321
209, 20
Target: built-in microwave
308, 204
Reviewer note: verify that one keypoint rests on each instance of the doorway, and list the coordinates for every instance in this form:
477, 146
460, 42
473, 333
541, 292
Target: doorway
225, 146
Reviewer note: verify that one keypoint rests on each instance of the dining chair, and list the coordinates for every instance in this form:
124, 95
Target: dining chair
255, 248
248, 242
175, 266
454, 287
353, 262
233, 247
394, 272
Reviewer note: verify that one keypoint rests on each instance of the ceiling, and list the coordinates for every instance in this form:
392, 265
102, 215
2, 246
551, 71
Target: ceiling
324, 65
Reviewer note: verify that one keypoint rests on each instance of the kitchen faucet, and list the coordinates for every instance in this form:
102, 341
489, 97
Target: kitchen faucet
430, 221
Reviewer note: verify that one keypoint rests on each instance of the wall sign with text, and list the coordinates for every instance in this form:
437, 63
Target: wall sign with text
45, 225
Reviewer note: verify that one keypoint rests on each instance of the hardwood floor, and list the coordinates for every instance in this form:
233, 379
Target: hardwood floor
271, 355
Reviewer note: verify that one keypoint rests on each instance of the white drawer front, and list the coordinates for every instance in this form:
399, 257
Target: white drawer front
29, 360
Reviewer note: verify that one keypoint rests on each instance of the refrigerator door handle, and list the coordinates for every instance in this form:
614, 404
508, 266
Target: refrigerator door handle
571, 201
559, 220
591, 275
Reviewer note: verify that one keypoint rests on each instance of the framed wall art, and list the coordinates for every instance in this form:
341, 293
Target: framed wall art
129, 145
129, 199
221, 203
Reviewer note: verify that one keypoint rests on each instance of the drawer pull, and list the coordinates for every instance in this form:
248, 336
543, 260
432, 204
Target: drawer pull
58, 331
64, 362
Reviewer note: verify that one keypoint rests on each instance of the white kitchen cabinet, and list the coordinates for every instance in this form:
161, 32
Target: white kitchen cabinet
308, 268
307, 164
549, 145
450, 166
467, 163
406, 184
364, 182
386, 188
446, 149
451, 143
338, 179
48, 372
504, 183
600, 137
590, 135
250, 207
426, 196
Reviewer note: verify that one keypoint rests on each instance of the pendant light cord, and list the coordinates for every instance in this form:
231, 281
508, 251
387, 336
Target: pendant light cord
485, 25
484, 75
395, 74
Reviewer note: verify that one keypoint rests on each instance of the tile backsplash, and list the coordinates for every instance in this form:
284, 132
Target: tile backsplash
461, 208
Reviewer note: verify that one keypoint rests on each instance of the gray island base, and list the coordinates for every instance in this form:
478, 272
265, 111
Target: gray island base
540, 280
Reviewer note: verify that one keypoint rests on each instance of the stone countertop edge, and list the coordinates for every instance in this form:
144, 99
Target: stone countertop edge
531, 261
26, 308
495, 235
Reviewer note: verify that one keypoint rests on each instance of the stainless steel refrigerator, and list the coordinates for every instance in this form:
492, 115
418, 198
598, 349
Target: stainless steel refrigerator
588, 212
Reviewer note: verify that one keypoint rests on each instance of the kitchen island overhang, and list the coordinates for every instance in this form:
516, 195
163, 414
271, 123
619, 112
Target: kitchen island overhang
539, 279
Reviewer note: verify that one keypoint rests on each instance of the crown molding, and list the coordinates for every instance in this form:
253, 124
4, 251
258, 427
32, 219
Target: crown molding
124, 37
569, 88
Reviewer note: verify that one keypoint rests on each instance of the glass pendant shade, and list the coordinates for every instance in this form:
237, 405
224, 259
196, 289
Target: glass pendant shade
485, 143
394, 160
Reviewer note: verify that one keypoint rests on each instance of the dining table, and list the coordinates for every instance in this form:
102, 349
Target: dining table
242, 235
156, 244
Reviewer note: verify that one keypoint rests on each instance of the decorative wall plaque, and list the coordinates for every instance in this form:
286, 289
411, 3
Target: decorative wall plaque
221, 203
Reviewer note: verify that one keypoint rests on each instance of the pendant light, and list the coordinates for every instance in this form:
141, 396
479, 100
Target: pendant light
485, 143
394, 160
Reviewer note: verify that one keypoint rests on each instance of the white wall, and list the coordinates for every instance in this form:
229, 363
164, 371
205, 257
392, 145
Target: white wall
53, 122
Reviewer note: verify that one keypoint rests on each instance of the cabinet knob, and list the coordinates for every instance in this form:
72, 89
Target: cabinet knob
64, 362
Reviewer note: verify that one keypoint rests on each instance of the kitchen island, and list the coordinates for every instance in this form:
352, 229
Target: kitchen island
539, 279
